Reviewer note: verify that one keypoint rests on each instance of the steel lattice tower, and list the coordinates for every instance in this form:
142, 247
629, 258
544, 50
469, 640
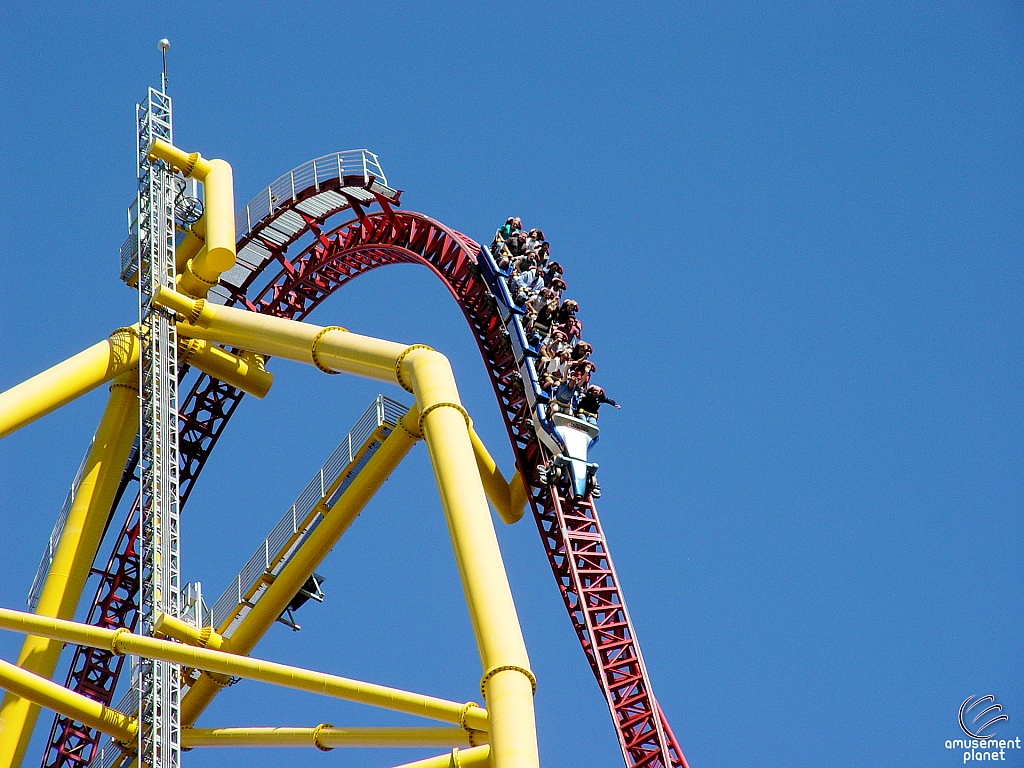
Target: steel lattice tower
158, 681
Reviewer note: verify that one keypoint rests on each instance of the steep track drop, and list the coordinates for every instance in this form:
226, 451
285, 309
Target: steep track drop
570, 529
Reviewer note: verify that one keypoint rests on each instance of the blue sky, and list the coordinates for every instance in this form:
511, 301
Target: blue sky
795, 233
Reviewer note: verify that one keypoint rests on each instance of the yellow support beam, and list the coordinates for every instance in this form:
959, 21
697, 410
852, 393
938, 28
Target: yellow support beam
507, 682
123, 642
46, 693
327, 348
244, 372
47, 391
115, 356
312, 552
74, 556
507, 498
324, 737
183, 632
477, 757
190, 245
202, 271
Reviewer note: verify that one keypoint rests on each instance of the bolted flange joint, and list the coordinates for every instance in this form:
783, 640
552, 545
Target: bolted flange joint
506, 668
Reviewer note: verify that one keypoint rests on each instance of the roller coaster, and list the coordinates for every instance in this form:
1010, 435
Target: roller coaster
221, 293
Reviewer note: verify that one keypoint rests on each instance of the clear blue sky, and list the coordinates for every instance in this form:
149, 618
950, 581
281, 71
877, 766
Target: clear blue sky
796, 236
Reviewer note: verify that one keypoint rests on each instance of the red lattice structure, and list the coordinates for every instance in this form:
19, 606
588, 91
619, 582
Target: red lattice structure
570, 529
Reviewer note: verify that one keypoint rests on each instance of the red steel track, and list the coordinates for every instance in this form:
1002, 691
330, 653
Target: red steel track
570, 530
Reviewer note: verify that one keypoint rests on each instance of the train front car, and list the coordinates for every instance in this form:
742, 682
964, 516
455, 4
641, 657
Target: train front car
566, 436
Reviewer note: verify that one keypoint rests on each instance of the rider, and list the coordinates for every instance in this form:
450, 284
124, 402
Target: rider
512, 224
591, 402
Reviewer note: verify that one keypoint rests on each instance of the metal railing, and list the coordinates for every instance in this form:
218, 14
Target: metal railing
130, 247
352, 162
347, 460
51, 546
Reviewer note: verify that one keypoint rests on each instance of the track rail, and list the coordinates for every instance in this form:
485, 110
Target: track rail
570, 530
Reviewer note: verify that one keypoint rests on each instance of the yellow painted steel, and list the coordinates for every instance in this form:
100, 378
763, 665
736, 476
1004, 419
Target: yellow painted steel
312, 552
115, 356
477, 757
190, 245
324, 737
201, 272
507, 682
507, 498
176, 629
46, 693
123, 642
279, 337
74, 555
47, 391
244, 372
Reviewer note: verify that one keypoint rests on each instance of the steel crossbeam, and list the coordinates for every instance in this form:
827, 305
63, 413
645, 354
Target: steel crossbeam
571, 532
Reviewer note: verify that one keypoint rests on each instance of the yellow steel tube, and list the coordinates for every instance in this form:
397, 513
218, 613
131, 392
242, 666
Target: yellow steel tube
192, 164
202, 272
507, 498
477, 757
312, 552
517, 497
122, 642
280, 337
507, 683
47, 391
190, 245
74, 555
244, 372
46, 693
324, 737
219, 212
176, 629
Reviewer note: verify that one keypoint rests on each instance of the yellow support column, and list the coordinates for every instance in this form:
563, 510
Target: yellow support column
477, 757
74, 556
183, 632
508, 498
507, 684
190, 245
244, 371
119, 354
